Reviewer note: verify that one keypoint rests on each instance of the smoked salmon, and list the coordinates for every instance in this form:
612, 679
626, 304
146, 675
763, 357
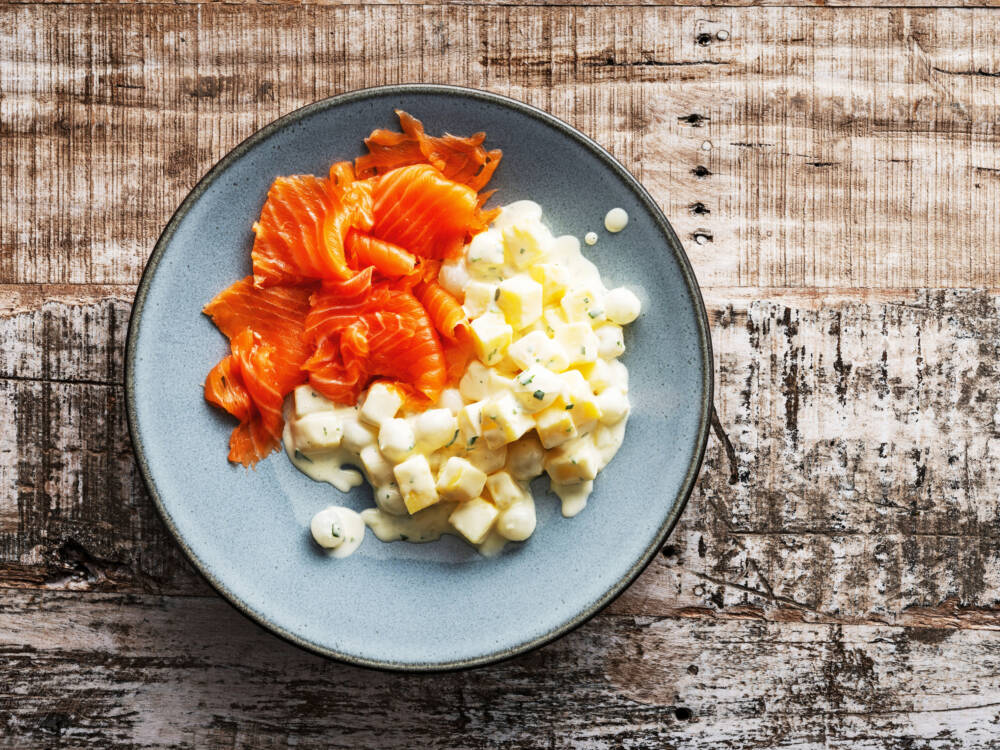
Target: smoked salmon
344, 285
463, 160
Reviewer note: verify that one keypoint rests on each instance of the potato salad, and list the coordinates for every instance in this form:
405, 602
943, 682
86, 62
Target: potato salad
545, 394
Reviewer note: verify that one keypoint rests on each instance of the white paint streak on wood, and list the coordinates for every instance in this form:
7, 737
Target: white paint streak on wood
209, 676
850, 148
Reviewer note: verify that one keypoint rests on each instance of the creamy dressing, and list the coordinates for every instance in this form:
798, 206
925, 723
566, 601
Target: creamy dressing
546, 393
590, 238
616, 220
338, 530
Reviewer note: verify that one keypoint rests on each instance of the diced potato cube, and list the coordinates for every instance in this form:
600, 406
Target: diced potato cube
378, 469
504, 490
574, 462
553, 278
584, 305
357, 435
537, 388
484, 256
478, 296
470, 422
553, 318
396, 439
474, 519
307, 401
317, 432
416, 483
381, 403
579, 401
498, 382
435, 428
611, 342
522, 245
579, 342
474, 384
504, 421
622, 306
597, 373
618, 374
454, 276
613, 404
491, 336
525, 457
486, 459
451, 399
536, 348
459, 480
555, 426
389, 499
519, 212
520, 299
517, 522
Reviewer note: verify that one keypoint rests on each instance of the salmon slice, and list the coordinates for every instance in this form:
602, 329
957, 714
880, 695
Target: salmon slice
463, 160
445, 312
418, 208
277, 314
243, 384
224, 387
250, 442
380, 332
386, 258
302, 227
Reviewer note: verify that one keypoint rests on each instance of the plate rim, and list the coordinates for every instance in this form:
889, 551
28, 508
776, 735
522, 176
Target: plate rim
687, 272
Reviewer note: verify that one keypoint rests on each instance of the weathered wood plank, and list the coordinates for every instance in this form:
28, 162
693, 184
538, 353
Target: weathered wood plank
928, 4
811, 147
115, 671
860, 487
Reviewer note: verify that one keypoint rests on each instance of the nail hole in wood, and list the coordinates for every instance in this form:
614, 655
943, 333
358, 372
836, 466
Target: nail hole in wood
682, 713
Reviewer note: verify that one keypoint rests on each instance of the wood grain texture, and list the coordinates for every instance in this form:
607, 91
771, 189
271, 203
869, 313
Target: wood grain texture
857, 483
110, 671
834, 581
814, 147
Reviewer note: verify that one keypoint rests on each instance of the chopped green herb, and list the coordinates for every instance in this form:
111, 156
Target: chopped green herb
523, 250
403, 537
539, 395
302, 456
492, 354
324, 432
530, 378
314, 394
335, 531
496, 294
569, 406
594, 313
472, 440
583, 351
453, 439
586, 300
474, 259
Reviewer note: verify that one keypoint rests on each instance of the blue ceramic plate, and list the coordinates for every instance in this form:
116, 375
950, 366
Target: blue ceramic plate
407, 606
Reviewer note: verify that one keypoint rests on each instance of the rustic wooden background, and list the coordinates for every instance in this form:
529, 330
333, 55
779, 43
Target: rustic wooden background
835, 176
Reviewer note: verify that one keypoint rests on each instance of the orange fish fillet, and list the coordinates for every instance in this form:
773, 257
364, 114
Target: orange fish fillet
302, 227
386, 258
277, 314
418, 208
463, 160
381, 331
243, 384
344, 288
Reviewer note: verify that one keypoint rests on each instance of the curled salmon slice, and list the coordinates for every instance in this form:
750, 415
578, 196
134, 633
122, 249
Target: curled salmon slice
463, 160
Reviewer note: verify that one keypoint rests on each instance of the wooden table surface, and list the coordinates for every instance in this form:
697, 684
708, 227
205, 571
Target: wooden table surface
835, 176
